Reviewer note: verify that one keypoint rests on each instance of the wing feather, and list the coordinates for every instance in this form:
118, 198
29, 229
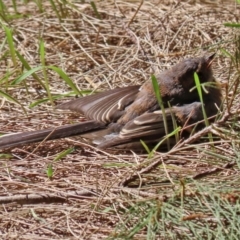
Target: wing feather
148, 127
147, 124
105, 106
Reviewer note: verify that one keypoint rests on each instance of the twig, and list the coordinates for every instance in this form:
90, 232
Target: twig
47, 198
214, 170
165, 156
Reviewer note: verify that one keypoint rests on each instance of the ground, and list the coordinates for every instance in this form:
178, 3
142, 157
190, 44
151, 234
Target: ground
190, 192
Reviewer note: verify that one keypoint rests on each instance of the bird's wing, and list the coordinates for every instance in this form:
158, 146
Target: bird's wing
148, 127
103, 107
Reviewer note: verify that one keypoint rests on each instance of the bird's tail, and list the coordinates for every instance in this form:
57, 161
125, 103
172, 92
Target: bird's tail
18, 139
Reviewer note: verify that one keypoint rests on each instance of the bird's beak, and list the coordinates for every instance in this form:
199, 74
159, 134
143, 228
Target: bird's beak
210, 60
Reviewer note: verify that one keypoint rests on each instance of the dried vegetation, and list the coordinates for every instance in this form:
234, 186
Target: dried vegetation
188, 193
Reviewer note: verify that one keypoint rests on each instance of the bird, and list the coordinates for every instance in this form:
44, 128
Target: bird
121, 117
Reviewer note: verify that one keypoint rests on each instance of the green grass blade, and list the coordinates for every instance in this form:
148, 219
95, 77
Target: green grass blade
38, 102
157, 90
28, 67
198, 86
25, 75
64, 154
56, 97
175, 125
5, 77
14, 6
4, 13
166, 138
39, 5
60, 72
7, 96
56, 10
68, 80
199, 89
232, 25
94, 7
5, 156
145, 146
10, 41
49, 170
10, 98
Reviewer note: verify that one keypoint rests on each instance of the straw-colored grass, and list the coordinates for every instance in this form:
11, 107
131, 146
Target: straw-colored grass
65, 189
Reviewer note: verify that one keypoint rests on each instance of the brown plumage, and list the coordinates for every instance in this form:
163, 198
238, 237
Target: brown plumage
132, 113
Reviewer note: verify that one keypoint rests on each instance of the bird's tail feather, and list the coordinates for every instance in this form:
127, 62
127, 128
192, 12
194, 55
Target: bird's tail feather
18, 139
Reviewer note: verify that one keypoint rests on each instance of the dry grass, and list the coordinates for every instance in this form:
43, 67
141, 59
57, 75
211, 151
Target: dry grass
170, 200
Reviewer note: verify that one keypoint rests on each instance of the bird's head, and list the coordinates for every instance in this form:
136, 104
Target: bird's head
200, 65
204, 69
